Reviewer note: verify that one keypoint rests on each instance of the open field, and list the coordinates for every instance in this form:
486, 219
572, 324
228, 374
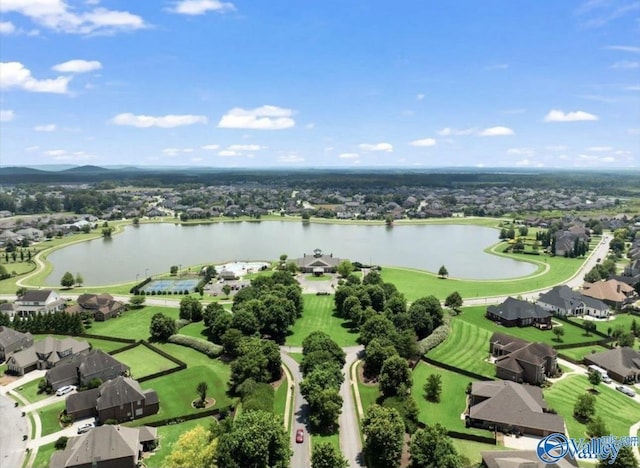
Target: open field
49, 417
133, 324
169, 435
618, 410
19, 268
467, 347
476, 317
142, 361
104, 345
579, 353
319, 315
30, 391
44, 455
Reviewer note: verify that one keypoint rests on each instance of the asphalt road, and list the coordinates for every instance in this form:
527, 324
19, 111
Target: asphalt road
301, 452
350, 441
13, 427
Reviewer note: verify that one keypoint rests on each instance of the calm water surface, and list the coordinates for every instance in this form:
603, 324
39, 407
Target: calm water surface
153, 248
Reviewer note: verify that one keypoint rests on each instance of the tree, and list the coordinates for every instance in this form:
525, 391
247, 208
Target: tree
383, 429
559, 332
193, 448
321, 341
137, 302
407, 407
376, 352
453, 301
388, 220
190, 309
442, 272
395, 377
245, 321
255, 440
325, 455
584, 409
136, 221
377, 326
589, 328
67, 280
626, 339
345, 267
426, 314
173, 270
107, 231
201, 390
231, 340
597, 427
79, 279
162, 327
625, 459
226, 289
635, 329
594, 378
4, 274
432, 447
433, 387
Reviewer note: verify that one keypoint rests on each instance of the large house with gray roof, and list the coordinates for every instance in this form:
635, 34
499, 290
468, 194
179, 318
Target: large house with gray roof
99, 306
318, 263
511, 407
564, 301
45, 354
109, 446
621, 364
83, 368
120, 399
12, 341
521, 361
38, 301
518, 313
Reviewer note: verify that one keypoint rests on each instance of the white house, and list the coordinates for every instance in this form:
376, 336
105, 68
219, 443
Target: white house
563, 301
34, 301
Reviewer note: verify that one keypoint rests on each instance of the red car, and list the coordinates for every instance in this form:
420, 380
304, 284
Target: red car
299, 436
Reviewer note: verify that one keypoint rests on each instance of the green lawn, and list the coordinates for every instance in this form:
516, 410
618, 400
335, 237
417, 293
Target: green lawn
333, 439
30, 391
297, 357
197, 330
318, 278
168, 435
18, 267
452, 403
49, 417
133, 324
472, 450
319, 315
623, 320
105, 345
142, 361
618, 410
280, 400
467, 347
176, 391
476, 317
44, 455
579, 353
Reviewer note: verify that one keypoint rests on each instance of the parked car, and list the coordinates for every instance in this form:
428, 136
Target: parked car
299, 436
64, 390
626, 390
86, 428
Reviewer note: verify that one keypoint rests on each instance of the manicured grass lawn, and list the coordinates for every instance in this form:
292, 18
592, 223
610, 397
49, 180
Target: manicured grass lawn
197, 330
579, 353
18, 267
176, 391
476, 317
317, 278
333, 439
452, 402
142, 361
49, 417
623, 320
169, 435
280, 400
30, 391
104, 345
133, 324
44, 455
618, 410
472, 450
193, 357
297, 357
319, 315
467, 347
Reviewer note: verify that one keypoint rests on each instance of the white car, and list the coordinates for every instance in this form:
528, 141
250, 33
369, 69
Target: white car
626, 390
64, 390
86, 428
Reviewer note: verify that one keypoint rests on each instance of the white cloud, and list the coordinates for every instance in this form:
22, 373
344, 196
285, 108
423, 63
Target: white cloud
7, 115
15, 75
556, 115
388, 147
57, 152
56, 15
423, 142
210, 147
245, 147
447, 131
521, 151
599, 149
290, 159
77, 66
45, 128
65, 155
260, 118
523, 162
420, 97
623, 48
165, 121
200, 7
6, 27
499, 66
176, 151
625, 65
229, 153
348, 155
496, 131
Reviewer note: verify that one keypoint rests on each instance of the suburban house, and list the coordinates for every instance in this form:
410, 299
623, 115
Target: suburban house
12, 341
564, 301
45, 354
612, 292
517, 313
318, 263
522, 459
120, 399
511, 407
106, 447
100, 306
34, 301
521, 361
621, 364
83, 368
565, 241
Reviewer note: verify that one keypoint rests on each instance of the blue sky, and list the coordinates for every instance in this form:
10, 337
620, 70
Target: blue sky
353, 83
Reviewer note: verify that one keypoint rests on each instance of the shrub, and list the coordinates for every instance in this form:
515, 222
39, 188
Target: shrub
437, 336
111, 422
182, 323
61, 443
210, 349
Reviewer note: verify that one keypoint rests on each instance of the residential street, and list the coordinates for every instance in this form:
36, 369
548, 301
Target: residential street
301, 451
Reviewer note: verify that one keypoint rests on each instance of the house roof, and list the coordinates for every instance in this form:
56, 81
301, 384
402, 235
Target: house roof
24, 358
610, 290
82, 401
622, 361
522, 459
566, 298
36, 295
514, 309
513, 404
95, 361
119, 391
317, 260
9, 336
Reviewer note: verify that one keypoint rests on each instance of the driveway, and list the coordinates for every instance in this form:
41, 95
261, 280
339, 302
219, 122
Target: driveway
13, 427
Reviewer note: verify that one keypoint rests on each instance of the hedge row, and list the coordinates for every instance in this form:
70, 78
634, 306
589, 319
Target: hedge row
437, 336
210, 349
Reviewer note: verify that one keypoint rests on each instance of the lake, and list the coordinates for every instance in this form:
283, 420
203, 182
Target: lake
152, 248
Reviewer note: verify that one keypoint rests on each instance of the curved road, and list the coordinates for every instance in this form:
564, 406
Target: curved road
301, 452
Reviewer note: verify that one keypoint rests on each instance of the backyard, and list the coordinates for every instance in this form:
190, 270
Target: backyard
168, 435
133, 324
142, 361
578, 354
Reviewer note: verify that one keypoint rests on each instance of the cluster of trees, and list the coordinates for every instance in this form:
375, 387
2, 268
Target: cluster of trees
59, 323
322, 369
12, 252
602, 271
68, 280
511, 232
256, 359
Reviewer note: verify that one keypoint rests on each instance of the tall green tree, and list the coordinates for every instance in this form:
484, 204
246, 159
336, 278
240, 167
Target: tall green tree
383, 429
67, 280
453, 301
431, 447
442, 272
190, 309
325, 455
433, 387
585, 407
395, 377
162, 327
345, 267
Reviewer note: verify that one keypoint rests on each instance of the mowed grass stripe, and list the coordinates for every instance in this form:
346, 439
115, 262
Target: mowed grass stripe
467, 347
142, 361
